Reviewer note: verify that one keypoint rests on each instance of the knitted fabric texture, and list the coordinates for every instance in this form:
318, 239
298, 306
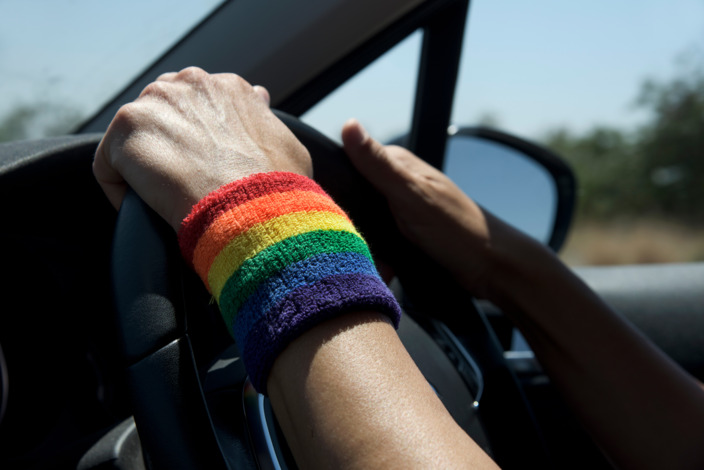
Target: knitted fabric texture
279, 256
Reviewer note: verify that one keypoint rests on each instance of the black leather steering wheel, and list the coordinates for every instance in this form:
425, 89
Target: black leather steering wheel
167, 338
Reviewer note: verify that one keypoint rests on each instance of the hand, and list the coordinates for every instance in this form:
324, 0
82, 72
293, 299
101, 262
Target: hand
430, 210
189, 133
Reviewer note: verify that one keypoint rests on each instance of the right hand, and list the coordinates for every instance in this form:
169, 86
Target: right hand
430, 210
188, 134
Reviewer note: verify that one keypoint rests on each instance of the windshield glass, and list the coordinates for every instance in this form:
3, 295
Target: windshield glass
61, 61
617, 90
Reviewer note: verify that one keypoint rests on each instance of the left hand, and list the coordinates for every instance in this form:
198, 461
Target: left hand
189, 133
433, 213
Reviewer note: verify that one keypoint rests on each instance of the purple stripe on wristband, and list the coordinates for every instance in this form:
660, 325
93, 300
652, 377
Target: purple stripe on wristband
304, 308
293, 277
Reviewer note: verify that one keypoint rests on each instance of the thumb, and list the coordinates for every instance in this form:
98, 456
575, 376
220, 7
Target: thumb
370, 157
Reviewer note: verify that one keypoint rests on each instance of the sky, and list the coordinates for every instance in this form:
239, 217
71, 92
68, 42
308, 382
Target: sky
536, 65
530, 65
550, 60
78, 53
527, 66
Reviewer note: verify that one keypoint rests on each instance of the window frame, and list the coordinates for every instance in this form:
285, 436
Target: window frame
443, 26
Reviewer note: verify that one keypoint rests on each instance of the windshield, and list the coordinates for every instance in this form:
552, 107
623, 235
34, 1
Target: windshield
61, 61
615, 88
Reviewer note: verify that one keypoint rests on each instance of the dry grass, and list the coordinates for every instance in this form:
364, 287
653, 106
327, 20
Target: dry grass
645, 241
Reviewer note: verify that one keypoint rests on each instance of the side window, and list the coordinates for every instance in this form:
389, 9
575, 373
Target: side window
623, 103
380, 96
60, 64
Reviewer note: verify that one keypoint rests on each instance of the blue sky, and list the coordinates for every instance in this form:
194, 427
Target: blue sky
529, 65
532, 65
581, 62
537, 65
79, 52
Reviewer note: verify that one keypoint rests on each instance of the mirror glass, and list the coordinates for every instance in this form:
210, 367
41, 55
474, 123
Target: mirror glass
504, 181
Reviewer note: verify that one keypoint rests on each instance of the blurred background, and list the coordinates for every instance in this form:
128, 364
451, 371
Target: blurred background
615, 88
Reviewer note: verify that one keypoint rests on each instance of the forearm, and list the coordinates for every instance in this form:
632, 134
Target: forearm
642, 409
291, 275
287, 269
348, 395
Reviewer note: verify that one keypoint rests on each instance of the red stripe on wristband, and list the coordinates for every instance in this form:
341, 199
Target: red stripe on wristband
238, 192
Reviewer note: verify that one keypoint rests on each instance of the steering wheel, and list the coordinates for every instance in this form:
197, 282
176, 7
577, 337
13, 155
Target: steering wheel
169, 339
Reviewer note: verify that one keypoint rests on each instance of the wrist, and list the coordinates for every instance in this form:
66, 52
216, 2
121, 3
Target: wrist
279, 256
514, 264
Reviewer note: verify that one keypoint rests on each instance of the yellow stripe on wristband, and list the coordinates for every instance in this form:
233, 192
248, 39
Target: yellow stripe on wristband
233, 222
266, 234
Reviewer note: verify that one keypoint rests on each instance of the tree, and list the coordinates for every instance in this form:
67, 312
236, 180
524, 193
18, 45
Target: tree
655, 170
672, 142
30, 121
606, 165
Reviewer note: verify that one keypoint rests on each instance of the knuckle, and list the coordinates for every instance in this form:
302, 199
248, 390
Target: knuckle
166, 76
128, 116
240, 80
192, 74
156, 89
263, 93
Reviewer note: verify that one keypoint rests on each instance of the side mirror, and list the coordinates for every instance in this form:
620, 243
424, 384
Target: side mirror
524, 184
520, 182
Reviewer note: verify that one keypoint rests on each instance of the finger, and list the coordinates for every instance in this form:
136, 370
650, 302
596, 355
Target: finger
369, 156
192, 75
263, 93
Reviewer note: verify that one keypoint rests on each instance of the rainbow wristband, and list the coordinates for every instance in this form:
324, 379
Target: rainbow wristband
279, 256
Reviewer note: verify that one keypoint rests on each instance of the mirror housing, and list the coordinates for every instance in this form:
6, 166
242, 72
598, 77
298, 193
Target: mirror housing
531, 176
521, 182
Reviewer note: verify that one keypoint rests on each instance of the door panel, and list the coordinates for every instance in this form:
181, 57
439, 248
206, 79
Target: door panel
665, 301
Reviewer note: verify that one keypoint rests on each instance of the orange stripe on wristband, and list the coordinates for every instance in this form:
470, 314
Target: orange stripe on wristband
264, 235
238, 192
237, 220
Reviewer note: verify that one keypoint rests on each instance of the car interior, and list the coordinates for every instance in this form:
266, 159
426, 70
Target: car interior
121, 360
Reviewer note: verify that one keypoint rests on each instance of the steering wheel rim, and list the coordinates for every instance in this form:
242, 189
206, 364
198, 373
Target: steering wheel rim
151, 299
